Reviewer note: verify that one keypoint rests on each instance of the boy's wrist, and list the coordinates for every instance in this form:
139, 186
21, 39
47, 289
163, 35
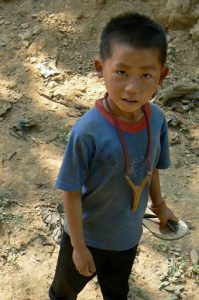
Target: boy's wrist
157, 208
78, 245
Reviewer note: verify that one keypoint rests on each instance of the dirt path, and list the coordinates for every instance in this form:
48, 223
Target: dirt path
47, 83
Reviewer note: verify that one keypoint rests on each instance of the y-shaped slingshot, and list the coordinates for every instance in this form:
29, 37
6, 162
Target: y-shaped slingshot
137, 189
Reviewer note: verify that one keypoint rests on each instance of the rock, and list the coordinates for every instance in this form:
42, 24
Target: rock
190, 226
194, 96
5, 106
56, 234
36, 30
194, 257
164, 284
52, 84
33, 60
54, 220
26, 44
2, 22
195, 33
174, 297
65, 42
179, 288
27, 35
178, 249
179, 14
24, 25
182, 6
178, 90
169, 289
46, 70
173, 121
185, 101
101, 1
187, 107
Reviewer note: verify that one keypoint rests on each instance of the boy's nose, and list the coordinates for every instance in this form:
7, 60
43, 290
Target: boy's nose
132, 87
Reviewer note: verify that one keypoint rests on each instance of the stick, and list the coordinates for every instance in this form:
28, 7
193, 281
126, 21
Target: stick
191, 119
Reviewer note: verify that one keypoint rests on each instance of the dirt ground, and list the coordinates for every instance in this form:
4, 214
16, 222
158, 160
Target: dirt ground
47, 81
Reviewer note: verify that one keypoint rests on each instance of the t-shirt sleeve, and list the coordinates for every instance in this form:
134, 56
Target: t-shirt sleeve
75, 165
164, 157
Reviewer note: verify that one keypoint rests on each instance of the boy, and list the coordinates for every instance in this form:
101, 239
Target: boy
111, 163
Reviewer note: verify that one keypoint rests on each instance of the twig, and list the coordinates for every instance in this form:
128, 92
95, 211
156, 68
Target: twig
61, 102
18, 203
191, 218
11, 155
191, 119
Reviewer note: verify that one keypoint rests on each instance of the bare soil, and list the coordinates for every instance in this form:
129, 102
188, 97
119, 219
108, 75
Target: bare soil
37, 111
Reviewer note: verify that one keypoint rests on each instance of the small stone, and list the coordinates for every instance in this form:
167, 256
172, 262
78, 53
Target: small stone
7, 23
164, 284
25, 35
169, 289
179, 288
174, 297
36, 30
3, 44
2, 22
194, 257
178, 249
24, 25
52, 84
95, 279
173, 279
26, 44
177, 274
65, 42
185, 101
173, 121
33, 60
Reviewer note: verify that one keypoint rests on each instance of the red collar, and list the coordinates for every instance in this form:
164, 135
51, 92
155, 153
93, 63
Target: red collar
126, 126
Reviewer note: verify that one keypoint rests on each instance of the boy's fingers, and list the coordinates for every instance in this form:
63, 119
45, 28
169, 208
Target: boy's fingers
92, 267
163, 226
86, 272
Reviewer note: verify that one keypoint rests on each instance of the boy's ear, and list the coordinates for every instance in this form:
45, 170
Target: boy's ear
163, 75
99, 68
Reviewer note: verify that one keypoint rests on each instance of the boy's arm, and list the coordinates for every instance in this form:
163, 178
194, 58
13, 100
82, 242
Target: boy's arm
159, 206
82, 256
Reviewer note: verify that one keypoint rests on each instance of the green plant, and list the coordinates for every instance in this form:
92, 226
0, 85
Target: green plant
164, 246
5, 201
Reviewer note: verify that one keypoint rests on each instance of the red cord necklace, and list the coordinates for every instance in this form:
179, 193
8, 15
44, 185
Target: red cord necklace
137, 189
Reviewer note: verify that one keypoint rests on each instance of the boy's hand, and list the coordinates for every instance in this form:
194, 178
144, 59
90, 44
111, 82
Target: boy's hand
84, 262
165, 215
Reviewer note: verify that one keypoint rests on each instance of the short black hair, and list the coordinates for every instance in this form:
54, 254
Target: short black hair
135, 30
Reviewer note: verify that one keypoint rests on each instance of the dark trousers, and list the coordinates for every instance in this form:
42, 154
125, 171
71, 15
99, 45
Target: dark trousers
113, 269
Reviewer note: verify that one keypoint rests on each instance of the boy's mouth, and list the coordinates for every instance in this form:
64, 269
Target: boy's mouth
130, 100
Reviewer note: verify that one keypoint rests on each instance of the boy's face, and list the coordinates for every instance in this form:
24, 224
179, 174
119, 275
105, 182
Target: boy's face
131, 77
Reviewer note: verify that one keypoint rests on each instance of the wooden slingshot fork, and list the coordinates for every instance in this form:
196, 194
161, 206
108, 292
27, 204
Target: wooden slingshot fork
137, 189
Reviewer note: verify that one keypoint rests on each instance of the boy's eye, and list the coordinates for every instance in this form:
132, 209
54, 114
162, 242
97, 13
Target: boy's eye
146, 76
122, 73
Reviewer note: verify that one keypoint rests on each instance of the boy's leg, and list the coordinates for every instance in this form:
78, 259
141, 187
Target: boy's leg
113, 271
67, 282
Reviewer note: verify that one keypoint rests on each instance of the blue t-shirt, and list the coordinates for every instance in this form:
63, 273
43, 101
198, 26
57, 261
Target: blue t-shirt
94, 163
